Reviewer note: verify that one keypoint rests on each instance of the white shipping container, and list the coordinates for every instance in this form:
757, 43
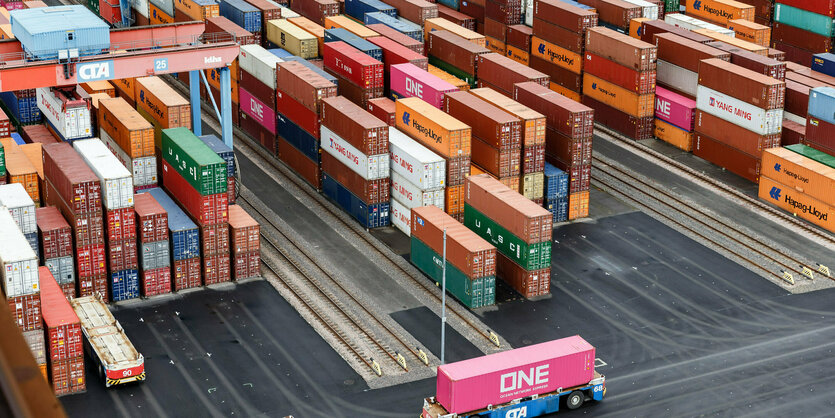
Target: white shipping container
401, 217
648, 10
415, 162
286, 13
675, 77
15, 198
412, 196
370, 167
691, 23
529, 12
116, 180
18, 260
144, 169
142, 7
794, 118
259, 63
71, 119
35, 340
739, 113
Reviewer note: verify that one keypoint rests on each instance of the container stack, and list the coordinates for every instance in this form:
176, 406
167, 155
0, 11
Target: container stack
130, 138
407, 42
195, 10
64, 339
244, 15
619, 81
556, 193
445, 135
557, 43
408, 80
678, 62
226, 153
245, 234
394, 54
223, 29
257, 94
21, 106
450, 52
19, 169
418, 177
520, 230
568, 139
316, 10
57, 247
820, 123
675, 117
739, 114
501, 73
383, 109
470, 260
76, 191
802, 29
197, 178
67, 115
360, 77
20, 284
496, 136
154, 246
533, 142
22, 208
355, 162
281, 33
120, 222
183, 242
161, 12
162, 106
354, 24
399, 24
615, 15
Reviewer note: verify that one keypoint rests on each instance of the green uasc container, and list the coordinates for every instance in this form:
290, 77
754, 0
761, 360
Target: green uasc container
194, 160
474, 293
2, 161
457, 72
529, 256
813, 154
804, 19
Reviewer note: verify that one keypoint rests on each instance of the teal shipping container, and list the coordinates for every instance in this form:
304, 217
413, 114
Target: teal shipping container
194, 160
474, 293
804, 19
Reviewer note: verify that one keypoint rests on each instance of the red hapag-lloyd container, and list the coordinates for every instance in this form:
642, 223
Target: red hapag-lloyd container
354, 65
186, 273
121, 224
567, 116
640, 82
257, 110
74, 181
156, 281
382, 108
63, 329
214, 239
151, 218
498, 378
55, 233
210, 209
300, 115
216, 268
675, 109
300, 163
369, 191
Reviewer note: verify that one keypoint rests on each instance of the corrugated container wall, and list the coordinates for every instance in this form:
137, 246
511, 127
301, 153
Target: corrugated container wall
44, 31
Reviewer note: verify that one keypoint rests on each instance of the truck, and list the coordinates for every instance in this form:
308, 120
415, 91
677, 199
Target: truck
105, 342
525, 382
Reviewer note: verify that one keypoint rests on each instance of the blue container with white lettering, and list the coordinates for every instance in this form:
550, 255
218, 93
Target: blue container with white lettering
556, 182
824, 63
358, 8
822, 103
399, 24
313, 68
222, 151
341, 34
182, 232
306, 143
281, 53
242, 14
124, 285
369, 216
45, 31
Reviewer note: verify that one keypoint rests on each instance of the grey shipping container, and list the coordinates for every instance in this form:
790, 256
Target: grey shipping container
62, 268
154, 255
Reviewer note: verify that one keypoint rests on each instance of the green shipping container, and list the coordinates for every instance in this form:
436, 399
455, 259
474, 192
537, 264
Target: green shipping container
803, 19
2, 161
94, 6
194, 160
457, 72
529, 256
813, 154
672, 6
474, 293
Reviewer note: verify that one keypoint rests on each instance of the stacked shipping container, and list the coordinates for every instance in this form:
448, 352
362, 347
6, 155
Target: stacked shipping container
184, 243
245, 236
418, 177
802, 29
154, 245
63, 338
56, 244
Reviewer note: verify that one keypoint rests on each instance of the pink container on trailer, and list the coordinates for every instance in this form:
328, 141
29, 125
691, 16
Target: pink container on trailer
257, 110
407, 80
675, 109
502, 377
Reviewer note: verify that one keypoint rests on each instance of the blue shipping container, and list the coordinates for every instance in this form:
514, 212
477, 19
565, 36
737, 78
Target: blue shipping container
558, 208
399, 24
306, 143
124, 285
222, 151
340, 34
281, 53
44, 31
358, 8
824, 63
24, 110
32, 238
822, 103
369, 216
556, 182
17, 138
313, 68
242, 14
183, 233
452, 4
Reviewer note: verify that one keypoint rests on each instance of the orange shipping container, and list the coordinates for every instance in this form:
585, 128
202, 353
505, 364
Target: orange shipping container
674, 135
127, 128
454, 203
635, 27
751, 32
20, 170
214, 80
158, 17
748, 46
102, 86
801, 173
495, 45
34, 153
449, 78
312, 28
797, 203
519, 55
533, 128
341, 21
196, 11
6, 31
571, 94
162, 104
556, 54
720, 11
126, 88
638, 105
432, 127
440, 23
578, 205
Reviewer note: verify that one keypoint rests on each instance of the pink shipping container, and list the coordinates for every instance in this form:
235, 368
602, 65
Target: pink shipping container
407, 80
257, 110
674, 108
502, 377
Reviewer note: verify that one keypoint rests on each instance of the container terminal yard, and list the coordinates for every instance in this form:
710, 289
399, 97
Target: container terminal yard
253, 208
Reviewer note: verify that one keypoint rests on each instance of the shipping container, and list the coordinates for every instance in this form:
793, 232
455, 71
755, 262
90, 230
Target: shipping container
306, 167
416, 163
822, 102
63, 329
793, 133
26, 311
437, 24
359, 68
720, 11
751, 32
650, 28
20, 205
686, 53
126, 127
155, 282
182, 232
292, 38
563, 114
400, 217
533, 123
242, 14
675, 109
472, 292
198, 10
756, 89
729, 39
520, 216
615, 12
43, 31
143, 169
455, 16
163, 104
382, 108
55, 233
530, 256
555, 182
564, 14
196, 162
695, 25
754, 62
415, 10
69, 115
316, 10
355, 125
819, 133
735, 136
797, 171
358, 29
804, 19
310, 27
244, 231
454, 54
259, 63
639, 82
621, 49
370, 167
303, 141
116, 181
154, 255
407, 42
369, 216
557, 55
120, 224
496, 127
395, 53
401, 25
340, 34
634, 104
738, 112
674, 135
725, 156
246, 265
20, 262
206, 209
504, 73
677, 79
797, 202
304, 85
74, 181
433, 128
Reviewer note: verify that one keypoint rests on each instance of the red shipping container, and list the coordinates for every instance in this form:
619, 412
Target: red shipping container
793, 133
615, 12
640, 82
210, 209
122, 255
354, 93
402, 39
514, 212
258, 89
820, 132
533, 159
754, 62
74, 181
354, 65
489, 123
93, 285
302, 84
382, 108
230, 31
794, 54
454, 16
230, 191
214, 239
780, 32
216, 269
246, 265
652, 27
305, 167
504, 72
529, 283
821, 7
574, 152
500, 163
686, 53
454, 50
151, 219
730, 158
623, 123
156, 281
245, 232
87, 228
563, 114
797, 98
4, 124
734, 136
63, 328
560, 76
55, 233
369, 191
258, 132
316, 10
186, 273
68, 376
26, 311
355, 125
91, 260
394, 53
621, 48
565, 15
558, 35
69, 290
121, 224
300, 115
751, 87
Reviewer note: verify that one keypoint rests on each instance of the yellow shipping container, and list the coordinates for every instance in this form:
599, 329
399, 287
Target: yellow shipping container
292, 38
440, 23
20, 170
797, 203
519, 55
6, 31
638, 105
748, 46
102, 86
751, 32
556, 54
196, 11
533, 129
342, 21
432, 127
312, 28
674, 135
